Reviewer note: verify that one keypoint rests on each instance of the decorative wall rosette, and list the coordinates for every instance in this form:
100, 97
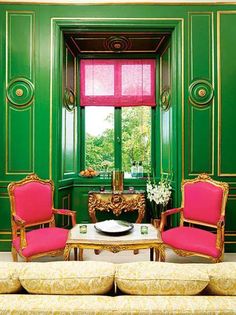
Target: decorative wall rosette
117, 43
200, 92
69, 99
20, 91
165, 99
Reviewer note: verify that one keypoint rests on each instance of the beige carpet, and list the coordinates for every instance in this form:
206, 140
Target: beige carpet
126, 256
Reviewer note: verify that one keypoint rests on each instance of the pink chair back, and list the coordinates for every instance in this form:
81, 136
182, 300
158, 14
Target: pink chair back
202, 202
33, 201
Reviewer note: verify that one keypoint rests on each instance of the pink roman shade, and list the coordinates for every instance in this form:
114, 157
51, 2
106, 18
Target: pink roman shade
117, 82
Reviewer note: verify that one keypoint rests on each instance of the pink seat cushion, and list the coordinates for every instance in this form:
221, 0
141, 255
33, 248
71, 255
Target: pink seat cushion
192, 239
43, 240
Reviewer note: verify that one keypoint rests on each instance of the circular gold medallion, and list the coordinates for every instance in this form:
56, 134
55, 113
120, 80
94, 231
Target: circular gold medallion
19, 92
202, 92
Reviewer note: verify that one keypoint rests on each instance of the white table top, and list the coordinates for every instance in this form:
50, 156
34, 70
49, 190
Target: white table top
93, 235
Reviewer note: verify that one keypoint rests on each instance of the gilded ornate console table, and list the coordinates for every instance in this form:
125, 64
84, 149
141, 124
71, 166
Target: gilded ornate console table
116, 202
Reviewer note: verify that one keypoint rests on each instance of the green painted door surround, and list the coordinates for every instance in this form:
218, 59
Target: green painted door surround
196, 97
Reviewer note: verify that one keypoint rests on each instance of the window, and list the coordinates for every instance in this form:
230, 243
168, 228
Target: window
117, 96
136, 137
99, 136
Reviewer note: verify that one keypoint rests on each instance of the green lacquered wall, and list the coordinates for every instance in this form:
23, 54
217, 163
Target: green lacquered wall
41, 136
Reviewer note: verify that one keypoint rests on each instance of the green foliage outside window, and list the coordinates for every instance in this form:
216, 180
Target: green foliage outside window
136, 140
136, 137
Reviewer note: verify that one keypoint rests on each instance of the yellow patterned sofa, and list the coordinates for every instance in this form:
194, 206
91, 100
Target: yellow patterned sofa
92, 287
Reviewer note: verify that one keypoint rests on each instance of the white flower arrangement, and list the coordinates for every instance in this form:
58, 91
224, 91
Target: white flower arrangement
159, 194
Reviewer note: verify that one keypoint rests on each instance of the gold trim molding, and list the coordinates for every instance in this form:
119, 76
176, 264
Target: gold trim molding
126, 2
56, 20
219, 13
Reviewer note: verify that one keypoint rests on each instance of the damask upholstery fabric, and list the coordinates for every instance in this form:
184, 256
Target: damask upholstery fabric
154, 278
16, 304
106, 305
72, 277
222, 279
181, 305
9, 277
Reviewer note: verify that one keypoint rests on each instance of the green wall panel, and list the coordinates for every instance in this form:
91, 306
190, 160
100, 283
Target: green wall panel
227, 93
166, 115
200, 41
20, 44
20, 34
69, 126
200, 140
80, 202
200, 119
5, 223
230, 228
20, 140
69, 149
64, 202
4, 213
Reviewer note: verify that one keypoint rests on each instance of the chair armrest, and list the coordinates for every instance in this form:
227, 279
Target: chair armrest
220, 233
70, 213
21, 223
18, 220
167, 213
171, 211
221, 222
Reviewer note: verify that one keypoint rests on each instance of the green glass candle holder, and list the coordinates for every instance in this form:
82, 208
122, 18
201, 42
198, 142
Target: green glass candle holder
144, 229
83, 229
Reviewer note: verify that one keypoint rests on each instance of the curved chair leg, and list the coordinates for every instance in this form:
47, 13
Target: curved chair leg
162, 253
14, 254
75, 253
81, 251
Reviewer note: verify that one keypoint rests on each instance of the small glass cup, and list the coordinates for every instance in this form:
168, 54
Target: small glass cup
83, 229
144, 229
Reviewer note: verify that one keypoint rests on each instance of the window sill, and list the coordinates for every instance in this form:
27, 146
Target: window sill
88, 181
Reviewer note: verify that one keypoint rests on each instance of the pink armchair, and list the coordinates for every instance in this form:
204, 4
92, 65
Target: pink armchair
203, 205
34, 233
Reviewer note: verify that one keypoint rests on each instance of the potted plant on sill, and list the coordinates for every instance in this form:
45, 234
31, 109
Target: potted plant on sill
159, 196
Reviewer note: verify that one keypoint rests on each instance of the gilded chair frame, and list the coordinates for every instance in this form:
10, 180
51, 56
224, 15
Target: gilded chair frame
19, 226
220, 226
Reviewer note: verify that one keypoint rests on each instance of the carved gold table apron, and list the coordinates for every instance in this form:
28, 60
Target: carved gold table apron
134, 240
116, 202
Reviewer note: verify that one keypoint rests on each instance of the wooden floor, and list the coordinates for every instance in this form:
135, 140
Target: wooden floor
126, 256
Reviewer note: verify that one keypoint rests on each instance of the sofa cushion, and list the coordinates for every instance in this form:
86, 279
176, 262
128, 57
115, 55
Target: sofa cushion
73, 277
181, 305
9, 277
156, 278
222, 279
31, 304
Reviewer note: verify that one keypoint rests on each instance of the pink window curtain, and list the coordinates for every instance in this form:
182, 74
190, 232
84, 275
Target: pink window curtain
117, 82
